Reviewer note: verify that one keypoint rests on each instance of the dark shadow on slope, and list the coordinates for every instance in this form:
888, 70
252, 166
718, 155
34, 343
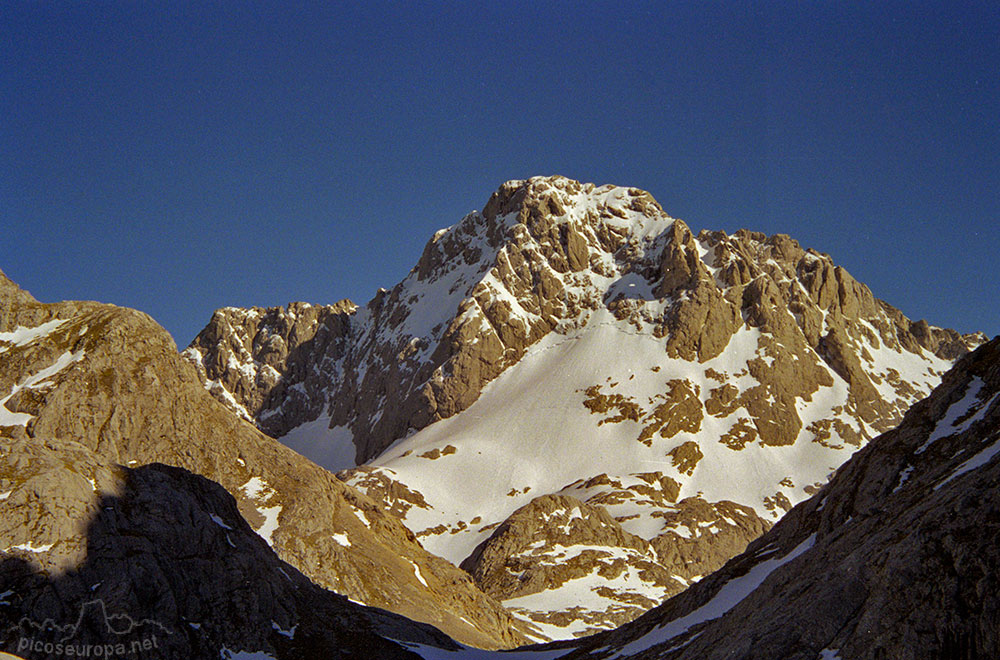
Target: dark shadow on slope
173, 571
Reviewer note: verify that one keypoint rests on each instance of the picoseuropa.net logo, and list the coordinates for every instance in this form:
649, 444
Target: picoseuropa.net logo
94, 634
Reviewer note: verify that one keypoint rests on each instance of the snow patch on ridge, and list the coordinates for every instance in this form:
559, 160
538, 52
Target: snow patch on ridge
22, 336
977, 461
949, 424
416, 571
9, 418
258, 491
508, 439
729, 596
30, 547
219, 521
583, 592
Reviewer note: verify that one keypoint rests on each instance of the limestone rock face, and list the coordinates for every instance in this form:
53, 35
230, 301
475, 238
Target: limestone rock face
11, 295
568, 331
156, 555
262, 360
701, 536
547, 521
894, 558
530, 264
111, 380
536, 560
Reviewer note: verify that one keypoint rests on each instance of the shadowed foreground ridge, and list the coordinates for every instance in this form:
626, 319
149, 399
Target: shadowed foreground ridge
111, 379
151, 570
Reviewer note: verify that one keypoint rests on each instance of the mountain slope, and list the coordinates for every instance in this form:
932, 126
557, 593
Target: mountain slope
112, 380
895, 558
88, 546
575, 341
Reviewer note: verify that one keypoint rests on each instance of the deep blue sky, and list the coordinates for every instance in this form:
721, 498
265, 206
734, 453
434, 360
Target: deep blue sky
177, 158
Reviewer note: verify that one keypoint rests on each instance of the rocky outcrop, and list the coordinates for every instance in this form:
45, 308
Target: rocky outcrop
554, 543
537, 559
155, 561
895, 557
275, 362
701, 536
548, 521
112, 380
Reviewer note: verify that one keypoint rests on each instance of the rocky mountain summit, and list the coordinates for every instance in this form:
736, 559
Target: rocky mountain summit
111, 380
538, 259
579, 355
895, 558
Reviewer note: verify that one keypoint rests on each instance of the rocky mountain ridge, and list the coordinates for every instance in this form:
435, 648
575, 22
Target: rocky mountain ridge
112, 380
156, 562
574, 341
895, 557
505, 278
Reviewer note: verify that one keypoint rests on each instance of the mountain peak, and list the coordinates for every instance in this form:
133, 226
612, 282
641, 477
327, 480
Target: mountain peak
561, 198
11, 294
544, 256
569, 331
512, 194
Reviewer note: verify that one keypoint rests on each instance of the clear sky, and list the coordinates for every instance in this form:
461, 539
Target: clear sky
178, 157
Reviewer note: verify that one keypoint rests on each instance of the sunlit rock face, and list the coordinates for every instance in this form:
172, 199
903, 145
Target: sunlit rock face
570, 334
109, 380
894, 558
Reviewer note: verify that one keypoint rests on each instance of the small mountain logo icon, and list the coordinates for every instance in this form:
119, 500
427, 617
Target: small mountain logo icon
94, 634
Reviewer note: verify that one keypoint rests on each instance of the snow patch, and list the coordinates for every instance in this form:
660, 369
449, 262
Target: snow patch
289, 633
582, 592
22, 336
218, 521
728, 597
260, 492
506, 439
904, 476
949, 425
416, 571
977, 461
31, 547
362, 517
270, 525
8, 418
254, 487
332, 448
